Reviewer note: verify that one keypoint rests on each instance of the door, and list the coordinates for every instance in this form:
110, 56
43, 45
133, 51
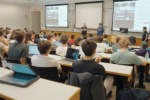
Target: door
36, 21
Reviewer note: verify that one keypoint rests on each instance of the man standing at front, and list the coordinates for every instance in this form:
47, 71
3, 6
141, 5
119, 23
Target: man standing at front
100, 30
84, 30
145, 35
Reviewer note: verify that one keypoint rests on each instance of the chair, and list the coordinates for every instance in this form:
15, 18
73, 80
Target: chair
132, 40
13, 61
28, 60
50, 73
53, 52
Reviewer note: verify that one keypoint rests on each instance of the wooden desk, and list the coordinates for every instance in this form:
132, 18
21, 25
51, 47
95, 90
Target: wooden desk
42, 89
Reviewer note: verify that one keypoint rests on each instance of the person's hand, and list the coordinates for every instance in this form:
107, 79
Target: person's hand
98, 59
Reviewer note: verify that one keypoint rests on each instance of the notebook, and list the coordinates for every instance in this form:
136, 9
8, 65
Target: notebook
33, 50
21, 76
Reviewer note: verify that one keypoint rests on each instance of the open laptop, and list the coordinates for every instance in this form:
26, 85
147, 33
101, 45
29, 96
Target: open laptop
21, 76
71, 55
33, 50
119, 50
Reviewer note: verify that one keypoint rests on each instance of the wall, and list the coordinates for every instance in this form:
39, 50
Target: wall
15, 16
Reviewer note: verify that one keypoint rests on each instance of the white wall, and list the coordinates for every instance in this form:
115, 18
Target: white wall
13, 16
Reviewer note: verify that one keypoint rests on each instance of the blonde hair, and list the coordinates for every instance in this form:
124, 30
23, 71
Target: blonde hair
124, 43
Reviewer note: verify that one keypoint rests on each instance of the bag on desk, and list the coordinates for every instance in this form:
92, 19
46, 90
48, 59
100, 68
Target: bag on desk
132, 94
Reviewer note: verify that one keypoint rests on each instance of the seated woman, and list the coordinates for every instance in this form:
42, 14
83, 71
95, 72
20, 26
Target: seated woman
37, 39
77, 44
41, 34
55, 37
12, 36
105, 39
3, 39
28, 38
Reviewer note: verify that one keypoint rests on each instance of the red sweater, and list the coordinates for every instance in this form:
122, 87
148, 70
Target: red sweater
71, 41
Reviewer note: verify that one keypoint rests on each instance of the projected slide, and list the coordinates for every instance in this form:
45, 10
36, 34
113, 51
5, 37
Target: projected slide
133, 15
57, 16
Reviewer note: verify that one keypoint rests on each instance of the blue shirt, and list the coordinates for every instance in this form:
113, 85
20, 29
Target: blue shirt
100, 31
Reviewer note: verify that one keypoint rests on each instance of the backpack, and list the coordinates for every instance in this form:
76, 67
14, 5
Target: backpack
132, 94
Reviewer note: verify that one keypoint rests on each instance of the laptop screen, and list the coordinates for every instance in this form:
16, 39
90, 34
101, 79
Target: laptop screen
119, 50
20, 68
72, 54
33, 49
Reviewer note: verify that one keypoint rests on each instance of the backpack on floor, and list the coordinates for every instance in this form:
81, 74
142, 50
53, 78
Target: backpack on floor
132, 94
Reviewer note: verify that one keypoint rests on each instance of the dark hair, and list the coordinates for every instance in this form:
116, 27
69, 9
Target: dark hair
64, 38
59, 34
100, 23
49, 35
52, 31
37, 37
25, 28
19, 36
33, 32
1, 33
44, 33
72, 36
118, 39
90, 35
28, 37
55, 34
88, 47
84, 37
105, 36
41, 31
76, 42
43, 46
145, 28
100, 39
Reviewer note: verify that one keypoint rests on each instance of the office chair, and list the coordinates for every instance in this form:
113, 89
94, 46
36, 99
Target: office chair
13, 61
132, 40
50, 73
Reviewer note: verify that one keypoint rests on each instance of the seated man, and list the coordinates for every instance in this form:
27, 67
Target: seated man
102, 47
62, 49
116, 46
125, 57
50, 37
71, 41
105, 39
43, 60
143, 51
19, 50
88, 64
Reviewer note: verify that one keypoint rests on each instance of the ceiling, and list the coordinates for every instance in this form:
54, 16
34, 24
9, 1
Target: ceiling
45, 2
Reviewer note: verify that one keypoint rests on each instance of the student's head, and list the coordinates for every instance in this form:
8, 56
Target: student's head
37, 36
84, 37
1, 33
72, 36
100, 24
90, 35
44, 47
52, 31
19, 36
144, 29
55, 34
28, 37
100, 39
89, 47
12, 34
105, 36
118, 39
25, 28
4, 32
124, 43
41, 32
33, 32
49, 36
64, 38
144, 45
77, 42
59, 34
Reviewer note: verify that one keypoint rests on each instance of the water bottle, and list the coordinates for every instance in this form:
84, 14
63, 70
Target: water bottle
147, 55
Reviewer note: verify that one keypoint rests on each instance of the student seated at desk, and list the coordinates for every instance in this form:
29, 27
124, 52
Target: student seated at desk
12, 36
77, 43
50, 37
102, 47
33, 35
84, 38
62, 49
88, 64
43, 60
143, 51
37, 39
19, 50
55, 37
71, 41
41, 34
2, 38
125, 57
90, 36
28, 38
105, 39
116, 46
59, 36
3, 48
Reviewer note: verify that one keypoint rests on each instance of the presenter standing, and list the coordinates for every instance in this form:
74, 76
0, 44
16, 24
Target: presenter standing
84, 30
100, 30
145, 35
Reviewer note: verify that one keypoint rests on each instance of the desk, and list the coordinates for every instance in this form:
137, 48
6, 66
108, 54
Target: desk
135, 47
42, 89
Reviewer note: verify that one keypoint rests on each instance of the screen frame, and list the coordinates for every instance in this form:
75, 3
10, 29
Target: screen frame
67, 16
113, 17
88, 3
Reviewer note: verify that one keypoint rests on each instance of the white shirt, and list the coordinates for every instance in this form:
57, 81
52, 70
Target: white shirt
101, 47
44, 61
61, 51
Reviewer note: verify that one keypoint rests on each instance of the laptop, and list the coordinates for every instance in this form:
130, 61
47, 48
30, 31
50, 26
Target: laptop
119, 50
33, 50
71, 55
22, 75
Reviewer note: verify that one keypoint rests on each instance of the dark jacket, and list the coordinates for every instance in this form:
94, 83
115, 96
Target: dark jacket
92, 87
